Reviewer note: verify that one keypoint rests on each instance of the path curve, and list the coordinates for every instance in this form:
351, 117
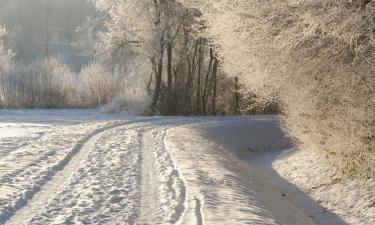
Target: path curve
35, 199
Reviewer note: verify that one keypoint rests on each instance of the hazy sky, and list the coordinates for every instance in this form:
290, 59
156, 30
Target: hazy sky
39, 28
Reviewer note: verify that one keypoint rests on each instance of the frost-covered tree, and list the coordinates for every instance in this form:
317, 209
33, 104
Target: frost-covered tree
183, 65
137, 28
317, 58
6, 64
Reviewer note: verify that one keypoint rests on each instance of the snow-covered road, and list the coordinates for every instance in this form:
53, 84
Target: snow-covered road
78, 167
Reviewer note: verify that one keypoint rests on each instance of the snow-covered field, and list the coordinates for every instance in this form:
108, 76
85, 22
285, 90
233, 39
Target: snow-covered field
82, 167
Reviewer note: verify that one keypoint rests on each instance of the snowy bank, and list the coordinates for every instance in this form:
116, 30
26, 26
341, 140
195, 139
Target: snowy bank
245, 170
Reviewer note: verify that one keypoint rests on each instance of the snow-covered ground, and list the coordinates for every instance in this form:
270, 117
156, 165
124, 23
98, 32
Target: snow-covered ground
82, 167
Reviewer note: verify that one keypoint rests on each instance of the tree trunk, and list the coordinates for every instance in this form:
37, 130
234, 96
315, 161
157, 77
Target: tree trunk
199, 79
170, 107
150, 81
206, 90
190, 79
237, 96
158, 79
169, 69
214, 78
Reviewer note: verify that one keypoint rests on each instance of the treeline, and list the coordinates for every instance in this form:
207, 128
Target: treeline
192, 78
153, 59
197, 88
184, 75
49, 83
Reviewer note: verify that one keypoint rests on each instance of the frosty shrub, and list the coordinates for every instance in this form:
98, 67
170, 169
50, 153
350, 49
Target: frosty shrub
98, 85
315, 56
46, 83
132, 97
125, 104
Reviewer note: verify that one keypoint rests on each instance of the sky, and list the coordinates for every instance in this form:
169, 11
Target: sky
39, 28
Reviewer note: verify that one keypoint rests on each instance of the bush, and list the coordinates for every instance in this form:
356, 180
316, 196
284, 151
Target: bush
98, 85
126, 104
132, 96
47, 83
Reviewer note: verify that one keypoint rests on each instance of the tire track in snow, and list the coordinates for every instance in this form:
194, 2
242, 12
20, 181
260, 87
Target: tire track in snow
34, 199
105, 189
170, 183
198, 211
151, 212
172, 188
37, 160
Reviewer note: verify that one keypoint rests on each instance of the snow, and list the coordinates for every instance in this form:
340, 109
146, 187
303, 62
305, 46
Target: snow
218, 181
83, 167
303, 178
350, 202
51, 116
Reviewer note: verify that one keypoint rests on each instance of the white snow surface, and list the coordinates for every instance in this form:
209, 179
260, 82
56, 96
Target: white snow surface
83, 167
